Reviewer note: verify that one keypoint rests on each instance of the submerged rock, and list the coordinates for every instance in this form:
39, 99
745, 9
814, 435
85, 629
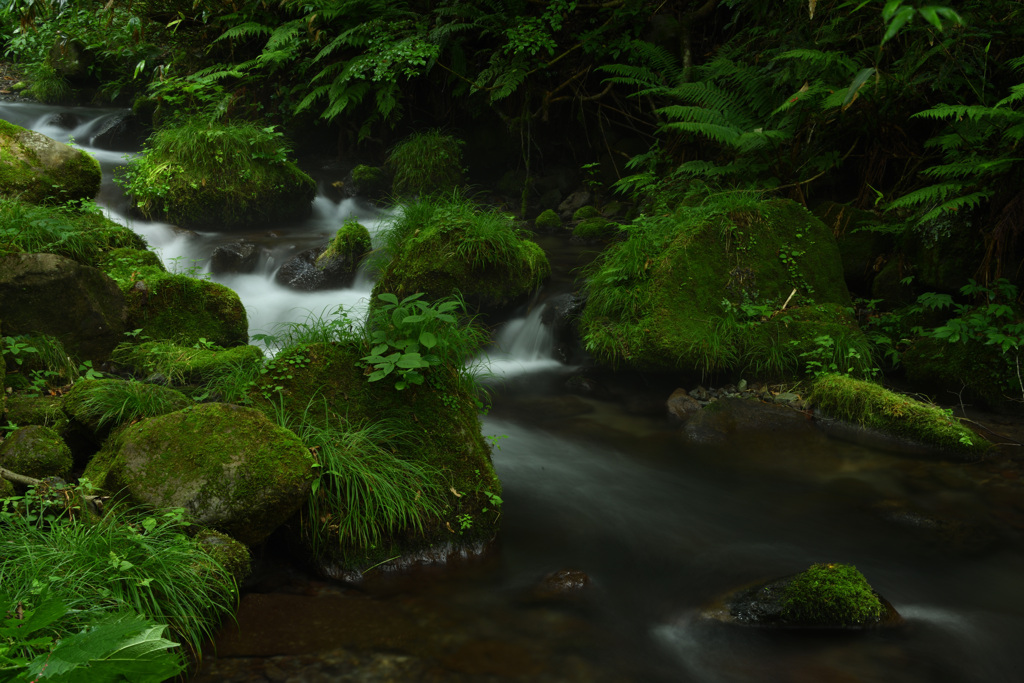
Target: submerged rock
824, 597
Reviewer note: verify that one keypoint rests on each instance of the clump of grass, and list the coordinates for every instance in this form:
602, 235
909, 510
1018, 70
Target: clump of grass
328, 326
827, 594
108, 403
185, 365
425, 163
367, 491
126, 560
871, 405
47, 85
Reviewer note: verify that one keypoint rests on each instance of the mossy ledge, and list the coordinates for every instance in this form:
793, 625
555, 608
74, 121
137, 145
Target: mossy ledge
873, 406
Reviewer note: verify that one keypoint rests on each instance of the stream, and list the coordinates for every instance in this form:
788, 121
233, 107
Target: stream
661, 525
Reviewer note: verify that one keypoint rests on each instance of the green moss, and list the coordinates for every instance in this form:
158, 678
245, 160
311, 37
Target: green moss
440, 247
36, 451
831, 595
441, 414
101, 404
36, 410
585, 212
703, 289
548, 221
351, 241
873, 406
596, 228
186, 364
227, 552
23, 175
175, 306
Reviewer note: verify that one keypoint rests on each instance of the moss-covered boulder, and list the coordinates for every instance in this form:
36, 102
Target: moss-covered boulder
594, 229
437, 426
331, 265
443, 246
875, 407
99, 405
824, 597
187, 365
730, 285
203, 174
548, 221
35, 451
175, 306
36, 410
38, 169
229, 467
49, 294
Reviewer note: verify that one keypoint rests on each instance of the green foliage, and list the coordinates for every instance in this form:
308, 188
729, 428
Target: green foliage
112, 403
47, 85
398, 330
426, 163
124, 563
38, 363
831, 594
328, 326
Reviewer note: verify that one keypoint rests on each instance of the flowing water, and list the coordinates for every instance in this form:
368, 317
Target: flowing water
661, 526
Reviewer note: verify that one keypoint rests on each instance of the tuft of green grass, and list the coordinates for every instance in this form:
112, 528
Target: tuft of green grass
871, 405
829, 594
115, 402
328, 326
46, 85
367, 490
425, 163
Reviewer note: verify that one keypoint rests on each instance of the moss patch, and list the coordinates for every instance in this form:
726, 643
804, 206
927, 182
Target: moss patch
36, 451
875, 407
426, 163
351, 243
187, 364
102, 404
38, 169
548, 221
831, 595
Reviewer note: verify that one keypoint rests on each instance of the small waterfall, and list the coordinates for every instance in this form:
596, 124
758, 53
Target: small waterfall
523, 345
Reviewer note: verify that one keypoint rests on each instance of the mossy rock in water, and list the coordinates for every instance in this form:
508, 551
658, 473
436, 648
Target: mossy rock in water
84, 236
720, 287
426, 163
229, 467
438, 425
548, 221
350, 243
331, 265
593, 229
586, 212
442, 246
875, 407
35, 451
824, 597
203, 174
175, 306
38, 169
187, 365
982, 371
230, 554
99, 405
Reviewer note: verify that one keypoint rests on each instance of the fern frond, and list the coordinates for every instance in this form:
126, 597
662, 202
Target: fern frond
821, 59
971, 200
761, 139
933, 194
1016, 95
972, 112
249, 29
725, 135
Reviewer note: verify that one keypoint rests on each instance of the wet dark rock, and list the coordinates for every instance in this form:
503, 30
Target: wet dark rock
304, 272
235, 257
729, 416
700, 394
121, 133
560, 314
563, 584
65, 120
573, 202
681, 406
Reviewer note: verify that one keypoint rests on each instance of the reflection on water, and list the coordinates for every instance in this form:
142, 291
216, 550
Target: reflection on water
661, 526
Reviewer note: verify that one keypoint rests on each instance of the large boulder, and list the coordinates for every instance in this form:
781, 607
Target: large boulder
728, 285
35, 451
50, 294
39, 169
240, 256
229, 467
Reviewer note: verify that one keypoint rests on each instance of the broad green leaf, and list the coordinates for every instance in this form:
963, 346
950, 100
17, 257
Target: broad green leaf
428, 340
862, 76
